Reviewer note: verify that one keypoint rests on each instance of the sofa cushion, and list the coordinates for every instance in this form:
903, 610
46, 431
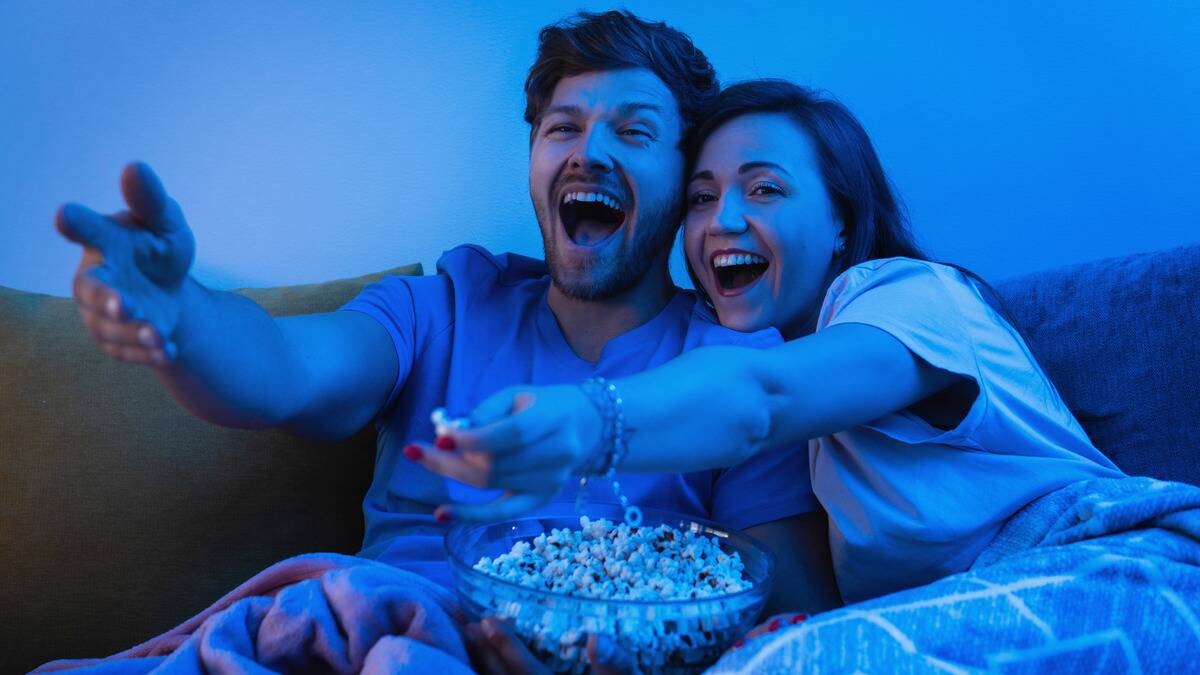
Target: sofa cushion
120, 513
1118, 338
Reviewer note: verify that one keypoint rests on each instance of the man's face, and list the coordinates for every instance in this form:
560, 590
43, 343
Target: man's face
606, 179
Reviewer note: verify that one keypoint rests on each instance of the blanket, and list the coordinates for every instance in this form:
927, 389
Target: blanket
320, 612
1102, 576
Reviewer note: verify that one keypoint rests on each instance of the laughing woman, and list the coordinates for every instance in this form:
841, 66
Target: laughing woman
969, 515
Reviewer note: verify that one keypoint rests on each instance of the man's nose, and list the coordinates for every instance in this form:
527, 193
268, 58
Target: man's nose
591, 152
728, 217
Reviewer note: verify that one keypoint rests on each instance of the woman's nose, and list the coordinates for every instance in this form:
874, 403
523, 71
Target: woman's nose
591, 153
727, 217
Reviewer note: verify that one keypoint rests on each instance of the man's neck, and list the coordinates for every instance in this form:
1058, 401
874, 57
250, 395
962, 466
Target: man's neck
588, 325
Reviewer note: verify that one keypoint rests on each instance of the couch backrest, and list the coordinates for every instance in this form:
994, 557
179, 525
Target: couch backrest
1119, 339
121, 515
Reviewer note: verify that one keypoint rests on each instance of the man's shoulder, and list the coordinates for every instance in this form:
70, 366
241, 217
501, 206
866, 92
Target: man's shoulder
704, 329
474, 264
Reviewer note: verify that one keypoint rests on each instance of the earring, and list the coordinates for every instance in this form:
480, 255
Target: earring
840, 248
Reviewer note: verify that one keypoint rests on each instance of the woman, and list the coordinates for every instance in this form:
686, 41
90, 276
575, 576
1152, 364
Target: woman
936, 442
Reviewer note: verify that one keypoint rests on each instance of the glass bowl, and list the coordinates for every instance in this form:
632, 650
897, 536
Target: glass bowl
666, 636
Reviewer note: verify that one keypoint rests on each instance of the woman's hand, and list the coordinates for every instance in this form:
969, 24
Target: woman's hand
528, 441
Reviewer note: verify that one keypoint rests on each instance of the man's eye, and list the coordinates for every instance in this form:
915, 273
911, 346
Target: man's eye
766, 189
634, 131
560, 129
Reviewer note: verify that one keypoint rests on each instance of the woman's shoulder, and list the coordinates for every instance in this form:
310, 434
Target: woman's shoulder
899, 283
899, 269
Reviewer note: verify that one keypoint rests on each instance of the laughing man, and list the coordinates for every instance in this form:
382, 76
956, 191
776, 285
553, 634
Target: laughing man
609, 100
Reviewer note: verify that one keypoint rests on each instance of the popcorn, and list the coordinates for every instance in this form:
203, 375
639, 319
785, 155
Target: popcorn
443, 423
621, 562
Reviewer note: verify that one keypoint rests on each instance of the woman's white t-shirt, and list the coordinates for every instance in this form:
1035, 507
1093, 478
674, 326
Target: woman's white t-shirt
909, 503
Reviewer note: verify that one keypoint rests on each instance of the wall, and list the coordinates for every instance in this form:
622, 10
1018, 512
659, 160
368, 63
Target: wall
307, 141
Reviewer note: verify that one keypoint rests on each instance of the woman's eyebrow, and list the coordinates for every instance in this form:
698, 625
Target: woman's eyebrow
743, 169
750, 166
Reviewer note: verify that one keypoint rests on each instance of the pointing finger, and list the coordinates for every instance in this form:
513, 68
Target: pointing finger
84, 226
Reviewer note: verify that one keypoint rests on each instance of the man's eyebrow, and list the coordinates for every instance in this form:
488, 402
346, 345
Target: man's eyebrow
572, 110
623, 109
629, 109
745, 168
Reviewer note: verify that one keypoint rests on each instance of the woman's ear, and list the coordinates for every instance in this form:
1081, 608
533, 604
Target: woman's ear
839, 241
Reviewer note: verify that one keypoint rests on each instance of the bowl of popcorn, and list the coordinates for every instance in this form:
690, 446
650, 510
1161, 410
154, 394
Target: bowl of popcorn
675, 591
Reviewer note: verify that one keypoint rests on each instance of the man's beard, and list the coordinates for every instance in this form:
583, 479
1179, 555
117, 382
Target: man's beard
633, 258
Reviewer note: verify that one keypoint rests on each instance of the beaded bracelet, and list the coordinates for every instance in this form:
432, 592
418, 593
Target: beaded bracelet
613, 444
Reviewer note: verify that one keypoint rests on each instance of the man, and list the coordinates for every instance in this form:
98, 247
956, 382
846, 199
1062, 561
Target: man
609, 99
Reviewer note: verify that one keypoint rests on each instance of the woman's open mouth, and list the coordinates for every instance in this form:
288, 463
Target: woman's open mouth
590, 217
736, 271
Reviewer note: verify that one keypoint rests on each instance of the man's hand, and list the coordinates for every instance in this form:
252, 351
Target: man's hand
495, 650
129, 282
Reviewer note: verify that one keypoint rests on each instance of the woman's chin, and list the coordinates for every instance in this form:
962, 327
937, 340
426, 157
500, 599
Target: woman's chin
741, 320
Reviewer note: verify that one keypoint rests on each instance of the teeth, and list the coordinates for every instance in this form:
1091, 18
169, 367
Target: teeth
731, 259
591, 197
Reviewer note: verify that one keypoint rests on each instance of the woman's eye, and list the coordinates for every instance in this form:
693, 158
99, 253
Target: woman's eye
702, 198
766, 189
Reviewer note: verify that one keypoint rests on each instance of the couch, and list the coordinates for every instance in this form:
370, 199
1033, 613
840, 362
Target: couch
121, 515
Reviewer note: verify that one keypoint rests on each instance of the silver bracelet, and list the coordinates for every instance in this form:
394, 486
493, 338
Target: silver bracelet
612, 447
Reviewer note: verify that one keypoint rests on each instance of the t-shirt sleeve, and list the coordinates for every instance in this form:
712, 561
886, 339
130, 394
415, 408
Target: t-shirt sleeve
939, 315
411, 309
769, 486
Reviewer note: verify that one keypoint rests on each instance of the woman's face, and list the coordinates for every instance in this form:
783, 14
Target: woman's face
760, 231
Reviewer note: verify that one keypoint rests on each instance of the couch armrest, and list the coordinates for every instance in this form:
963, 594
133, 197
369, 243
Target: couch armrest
121, 515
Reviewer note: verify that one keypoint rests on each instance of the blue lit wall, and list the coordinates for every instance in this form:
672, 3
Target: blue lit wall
308, 141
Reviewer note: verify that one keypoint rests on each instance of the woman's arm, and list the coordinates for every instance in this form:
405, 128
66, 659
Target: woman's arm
711, 407
717, 406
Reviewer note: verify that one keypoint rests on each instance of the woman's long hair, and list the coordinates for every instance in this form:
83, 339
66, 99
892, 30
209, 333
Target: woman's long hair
875, 221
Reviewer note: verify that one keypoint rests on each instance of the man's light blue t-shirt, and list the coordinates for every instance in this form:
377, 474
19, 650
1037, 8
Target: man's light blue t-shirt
482, 324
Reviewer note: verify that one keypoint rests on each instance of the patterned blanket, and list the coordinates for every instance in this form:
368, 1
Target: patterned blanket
1102, 576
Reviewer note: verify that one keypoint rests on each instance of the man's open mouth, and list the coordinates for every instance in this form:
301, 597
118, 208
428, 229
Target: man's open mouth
735, 270
590, 217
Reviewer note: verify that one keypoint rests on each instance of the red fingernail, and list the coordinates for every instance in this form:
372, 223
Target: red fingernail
739, 643
445, 443
442, 516
774, 626
798, 618
413, 452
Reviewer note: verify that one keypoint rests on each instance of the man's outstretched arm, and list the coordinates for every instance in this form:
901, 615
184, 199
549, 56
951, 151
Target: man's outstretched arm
219, 354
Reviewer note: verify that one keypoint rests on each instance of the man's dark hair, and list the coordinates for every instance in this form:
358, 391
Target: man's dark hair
614, 40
